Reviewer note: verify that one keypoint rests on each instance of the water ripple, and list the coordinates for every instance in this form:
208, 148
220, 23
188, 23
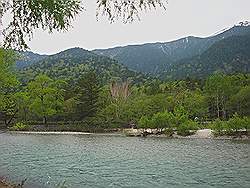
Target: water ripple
113, 161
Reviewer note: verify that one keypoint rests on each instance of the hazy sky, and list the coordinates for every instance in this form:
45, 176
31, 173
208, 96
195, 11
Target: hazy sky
182, 18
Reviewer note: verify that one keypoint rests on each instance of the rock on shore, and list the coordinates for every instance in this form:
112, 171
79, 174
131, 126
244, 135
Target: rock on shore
5, 185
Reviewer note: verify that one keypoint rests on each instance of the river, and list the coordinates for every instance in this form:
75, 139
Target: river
117, 161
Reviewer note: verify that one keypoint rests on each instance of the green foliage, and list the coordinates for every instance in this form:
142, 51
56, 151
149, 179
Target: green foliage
32, 14
22, 101
87, 93
162, 120
19, 127
71, 64
237, 123
144, 123
7, 77
232, 126
195, 104
91, 102
57, 15
220, 89
187, 128
246, 123
8, 85
46, 97
240, 102
229, 55
218, 126
190, 57
169, 121
180, 115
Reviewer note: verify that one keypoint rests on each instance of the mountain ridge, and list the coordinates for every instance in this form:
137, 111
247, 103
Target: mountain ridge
230, 55
155, 59
71, 64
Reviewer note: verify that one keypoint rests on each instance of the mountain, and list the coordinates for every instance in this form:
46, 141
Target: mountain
72, 63
28, 59
225, 51
153, 58
229, 55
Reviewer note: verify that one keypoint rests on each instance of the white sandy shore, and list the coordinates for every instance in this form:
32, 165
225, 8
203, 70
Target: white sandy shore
50, 132
200, 134
203, 133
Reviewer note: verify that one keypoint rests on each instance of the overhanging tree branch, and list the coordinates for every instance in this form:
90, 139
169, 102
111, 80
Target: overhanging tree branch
57, 15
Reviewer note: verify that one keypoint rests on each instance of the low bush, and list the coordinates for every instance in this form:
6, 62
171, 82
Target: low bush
233, 126
218, 127
187, 128
19, 127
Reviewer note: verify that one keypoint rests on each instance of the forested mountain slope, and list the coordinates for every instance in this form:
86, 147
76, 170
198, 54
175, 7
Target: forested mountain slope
152, 58
230, 55
186, 57
29, 58
71, 64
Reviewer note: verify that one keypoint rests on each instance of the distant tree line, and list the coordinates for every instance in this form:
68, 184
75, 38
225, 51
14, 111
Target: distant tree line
88, 104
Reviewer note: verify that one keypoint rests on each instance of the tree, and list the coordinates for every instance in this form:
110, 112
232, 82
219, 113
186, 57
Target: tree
162, 120
46, 97
185, 127
28, 15
120, 93
219, 88
240, 102
58, 15
180, 114
87, 95
8, 85
22, 101
144, 122
7, 77
195, 104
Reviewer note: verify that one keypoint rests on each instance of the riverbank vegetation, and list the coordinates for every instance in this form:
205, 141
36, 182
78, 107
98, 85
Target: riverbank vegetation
220, 102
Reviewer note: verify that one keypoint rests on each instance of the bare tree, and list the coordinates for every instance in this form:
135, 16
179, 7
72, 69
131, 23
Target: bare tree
120, 92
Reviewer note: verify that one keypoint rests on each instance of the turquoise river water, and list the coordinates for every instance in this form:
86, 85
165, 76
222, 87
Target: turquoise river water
117, 161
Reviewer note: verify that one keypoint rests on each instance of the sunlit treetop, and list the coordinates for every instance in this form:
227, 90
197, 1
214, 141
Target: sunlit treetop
57, 15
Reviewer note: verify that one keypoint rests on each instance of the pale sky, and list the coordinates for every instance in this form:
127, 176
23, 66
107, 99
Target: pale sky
182, 18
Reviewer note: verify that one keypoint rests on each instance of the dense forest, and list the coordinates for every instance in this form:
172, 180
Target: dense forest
70, 64
87, 102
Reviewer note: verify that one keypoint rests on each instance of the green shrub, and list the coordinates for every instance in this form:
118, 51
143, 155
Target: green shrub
218, 127
246, 121
19, 127
187, 128
233, 124
144, 122
230, 127
159, 120
236, 124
